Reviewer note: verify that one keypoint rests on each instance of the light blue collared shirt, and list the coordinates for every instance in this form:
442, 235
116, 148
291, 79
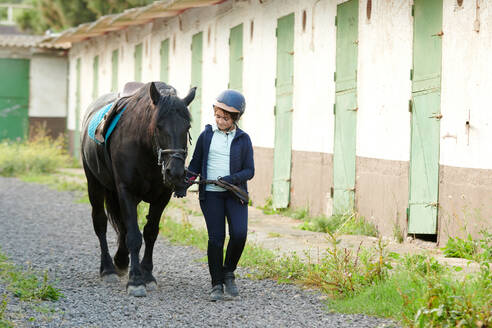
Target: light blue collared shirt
219, 156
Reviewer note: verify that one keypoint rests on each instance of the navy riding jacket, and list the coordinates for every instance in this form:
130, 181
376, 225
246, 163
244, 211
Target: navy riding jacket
241, 163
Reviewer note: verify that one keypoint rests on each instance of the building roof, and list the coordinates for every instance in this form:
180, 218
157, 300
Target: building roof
134, 16
28, 41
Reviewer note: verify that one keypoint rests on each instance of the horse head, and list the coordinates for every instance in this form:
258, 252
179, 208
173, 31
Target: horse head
171, 130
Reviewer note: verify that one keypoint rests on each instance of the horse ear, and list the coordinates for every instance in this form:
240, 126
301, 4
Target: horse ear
155, 95
191, 95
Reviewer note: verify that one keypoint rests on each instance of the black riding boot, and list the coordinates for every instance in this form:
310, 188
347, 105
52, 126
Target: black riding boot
233, 254
215, 259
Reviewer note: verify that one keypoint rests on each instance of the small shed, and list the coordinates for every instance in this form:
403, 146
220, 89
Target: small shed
33, 86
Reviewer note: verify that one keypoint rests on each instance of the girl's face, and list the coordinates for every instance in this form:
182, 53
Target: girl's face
223, 119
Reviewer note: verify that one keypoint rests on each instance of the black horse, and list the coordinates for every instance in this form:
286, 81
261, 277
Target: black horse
153, 130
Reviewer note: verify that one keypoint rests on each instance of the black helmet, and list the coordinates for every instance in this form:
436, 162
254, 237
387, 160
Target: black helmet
231, 101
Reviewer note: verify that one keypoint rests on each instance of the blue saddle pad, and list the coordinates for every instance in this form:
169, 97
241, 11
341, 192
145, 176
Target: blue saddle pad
96, 119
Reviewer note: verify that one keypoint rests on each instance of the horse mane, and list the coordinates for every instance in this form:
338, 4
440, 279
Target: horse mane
145, 114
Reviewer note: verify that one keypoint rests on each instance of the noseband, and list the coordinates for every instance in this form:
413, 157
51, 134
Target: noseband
170, 153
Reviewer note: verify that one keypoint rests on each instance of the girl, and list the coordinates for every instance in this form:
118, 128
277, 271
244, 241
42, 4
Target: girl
224, 151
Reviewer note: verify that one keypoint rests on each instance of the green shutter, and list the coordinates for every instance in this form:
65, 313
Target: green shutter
345, 110
165, 61
282, 158
14, 98
95, 78
425, 109
138, 62
236, 58
196, 81
114, 70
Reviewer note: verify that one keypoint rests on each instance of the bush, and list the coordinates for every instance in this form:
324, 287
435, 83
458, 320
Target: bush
41, 154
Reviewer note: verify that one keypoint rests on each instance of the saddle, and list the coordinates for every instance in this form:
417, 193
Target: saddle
129, 89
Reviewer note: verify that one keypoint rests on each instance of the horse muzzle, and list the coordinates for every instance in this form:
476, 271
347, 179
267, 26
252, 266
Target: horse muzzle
172, 162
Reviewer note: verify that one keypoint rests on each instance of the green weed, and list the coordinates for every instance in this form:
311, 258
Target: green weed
41, 154
469, 248
348, 224
461, 248
298, 214
4, 323
26, 284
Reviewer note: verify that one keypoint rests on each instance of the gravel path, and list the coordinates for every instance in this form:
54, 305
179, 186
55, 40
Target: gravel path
48, 230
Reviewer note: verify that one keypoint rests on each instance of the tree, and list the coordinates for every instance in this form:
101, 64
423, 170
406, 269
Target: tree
58, 15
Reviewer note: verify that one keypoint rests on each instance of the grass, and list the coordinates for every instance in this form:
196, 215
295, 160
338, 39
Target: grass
415, 290
469, 248
27, 285
41, 154
348, 224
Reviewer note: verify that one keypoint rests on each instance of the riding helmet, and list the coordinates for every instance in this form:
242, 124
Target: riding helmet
231, 101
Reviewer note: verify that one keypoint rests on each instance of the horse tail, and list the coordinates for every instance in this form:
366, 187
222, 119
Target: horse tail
113, 211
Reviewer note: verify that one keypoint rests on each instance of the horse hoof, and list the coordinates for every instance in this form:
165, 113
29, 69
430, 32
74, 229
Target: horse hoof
151, 286
137, 291
111, 278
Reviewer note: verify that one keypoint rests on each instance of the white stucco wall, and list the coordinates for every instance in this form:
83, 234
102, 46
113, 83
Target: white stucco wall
313, 64
383, 80
48, 86
384, 62
466, 85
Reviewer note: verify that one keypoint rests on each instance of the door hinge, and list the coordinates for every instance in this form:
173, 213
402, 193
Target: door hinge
274, 110
435, 204
353, 109
332, 192
275, 81
440, 33
437, 116
334, 109
408, 213
276, 32
410, 104
335, 76
411, 74
336, 20
413, 10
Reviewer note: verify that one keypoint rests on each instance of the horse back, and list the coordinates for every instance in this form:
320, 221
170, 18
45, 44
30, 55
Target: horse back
94, 156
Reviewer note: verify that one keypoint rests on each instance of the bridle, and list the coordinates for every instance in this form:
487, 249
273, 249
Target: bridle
164, 156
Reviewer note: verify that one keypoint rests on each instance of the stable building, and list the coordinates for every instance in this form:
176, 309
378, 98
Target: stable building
33, 85
374, 106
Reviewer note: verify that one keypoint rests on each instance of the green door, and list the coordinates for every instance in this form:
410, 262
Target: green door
76, 139
236, 58
196, 81
95, 77
165, 61
426, 108
138, 62
345, 109
114, 70
14, 98
282, 156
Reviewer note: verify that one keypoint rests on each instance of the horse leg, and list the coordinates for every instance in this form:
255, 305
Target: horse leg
100, 223
151, 230
128, 205
121, 259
